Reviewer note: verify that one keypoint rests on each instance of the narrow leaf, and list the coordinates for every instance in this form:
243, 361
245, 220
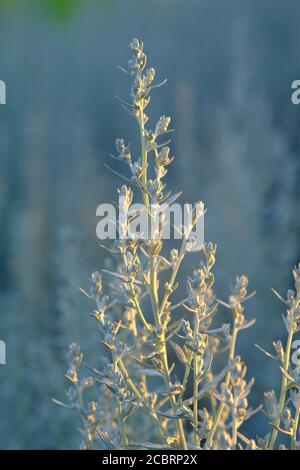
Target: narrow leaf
179, 352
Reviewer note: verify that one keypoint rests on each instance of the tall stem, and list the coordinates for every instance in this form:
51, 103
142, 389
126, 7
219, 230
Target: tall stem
153, 275
195, 408
284, 382
144, 160
227, 381
196, 372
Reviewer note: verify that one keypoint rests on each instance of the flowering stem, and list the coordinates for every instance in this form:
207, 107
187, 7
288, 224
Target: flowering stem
195, 408
196, 372
153, 274
286, 363
227, 381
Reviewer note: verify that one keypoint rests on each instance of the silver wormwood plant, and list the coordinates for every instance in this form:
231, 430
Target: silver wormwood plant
141, 397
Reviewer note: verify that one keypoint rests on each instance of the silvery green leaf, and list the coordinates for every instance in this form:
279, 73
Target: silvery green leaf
266, 352
179, 352
247, 324
151, 372
163, 264
175, 325
64, 405
131, 411
109, 346
288, 376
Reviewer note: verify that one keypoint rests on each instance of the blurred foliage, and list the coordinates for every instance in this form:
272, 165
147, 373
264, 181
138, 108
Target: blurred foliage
61, 10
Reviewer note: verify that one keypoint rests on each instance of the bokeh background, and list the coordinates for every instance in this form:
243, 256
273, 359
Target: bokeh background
230, 66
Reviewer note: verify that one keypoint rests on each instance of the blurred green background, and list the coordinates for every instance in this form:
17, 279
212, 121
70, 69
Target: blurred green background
229, 66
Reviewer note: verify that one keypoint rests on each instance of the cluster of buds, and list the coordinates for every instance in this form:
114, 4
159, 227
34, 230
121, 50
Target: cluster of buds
278, 347
141, 82
235, 394
238, 296
123, 151
271, 405
163, 156
125, 199
96, 288
293, 301
74, 358
295, 375
287, 420
162, 125
198, 344
200, 286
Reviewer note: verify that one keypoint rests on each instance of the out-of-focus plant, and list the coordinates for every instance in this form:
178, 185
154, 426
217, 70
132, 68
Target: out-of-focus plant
142, 327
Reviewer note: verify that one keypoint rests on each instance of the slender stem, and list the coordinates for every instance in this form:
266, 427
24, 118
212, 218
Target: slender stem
173, 400
135, 299
138, 308
173, 278
196, 372
153, 287
186, 376
195, 406
227, 381
234, 430
144, 158
284, 382
153, 275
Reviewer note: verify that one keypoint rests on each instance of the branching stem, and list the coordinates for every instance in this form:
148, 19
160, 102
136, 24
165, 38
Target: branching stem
227, 381
284, 382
